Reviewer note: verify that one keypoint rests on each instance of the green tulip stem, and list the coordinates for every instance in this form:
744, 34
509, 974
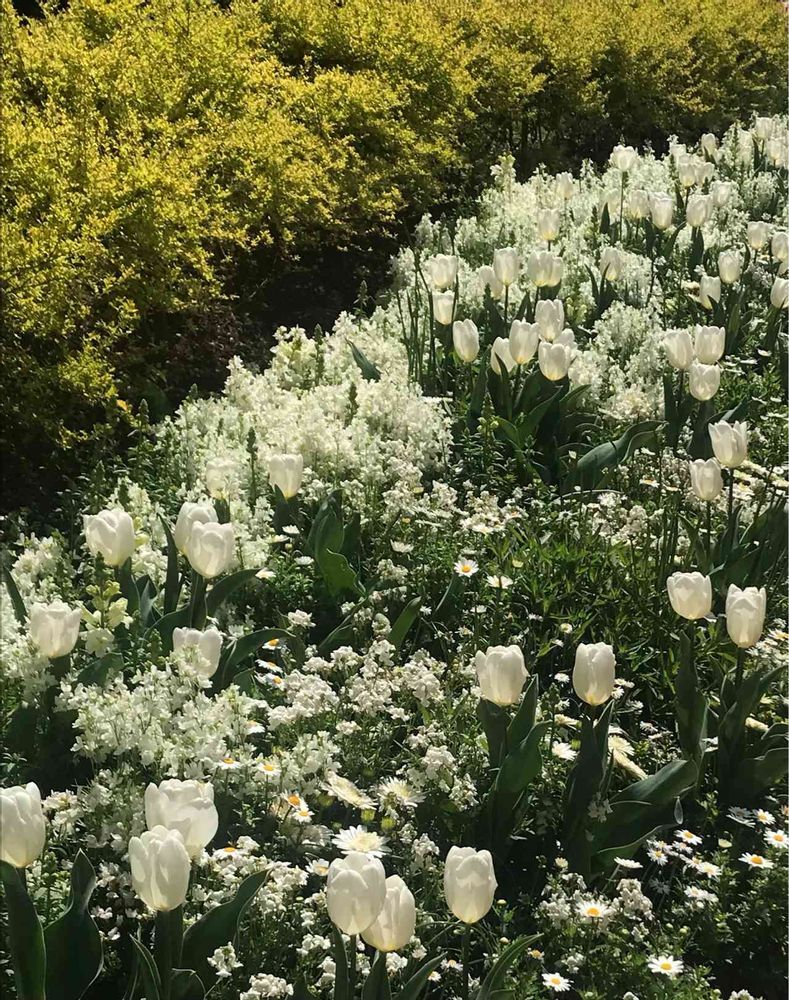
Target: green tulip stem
167, 946
740, 667
708, 525
196, 618
465, 959
352, 966
731, 492
506, 305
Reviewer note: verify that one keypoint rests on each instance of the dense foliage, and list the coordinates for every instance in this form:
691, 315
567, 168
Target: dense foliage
482, 592
161, 160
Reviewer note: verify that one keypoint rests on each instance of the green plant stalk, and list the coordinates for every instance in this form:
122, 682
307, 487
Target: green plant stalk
740, 667
352, 966
466, 949
168, 934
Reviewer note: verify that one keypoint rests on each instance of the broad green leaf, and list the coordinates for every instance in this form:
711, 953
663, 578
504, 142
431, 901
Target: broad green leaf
376, 986
242, 647
13, 592
492, 983
341, 983
412, 990
171, 587
523, 719
25, 936
404, 621
123, 575
366, 367
223, 588
73, 943
186, 985
148, 972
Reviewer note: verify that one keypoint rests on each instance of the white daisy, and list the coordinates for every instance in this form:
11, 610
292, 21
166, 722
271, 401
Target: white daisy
345, 790
687, 837
628, 863
466, 567
402, 793
665, 965
563, 751
777, 838
362, 840
756, 861
556, 982
764, 817
740, 815
592, 909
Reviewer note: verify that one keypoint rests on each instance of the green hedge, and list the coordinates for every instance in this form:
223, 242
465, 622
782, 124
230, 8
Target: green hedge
161, 160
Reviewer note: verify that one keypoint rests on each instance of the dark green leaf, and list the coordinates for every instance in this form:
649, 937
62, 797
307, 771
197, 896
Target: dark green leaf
148, 972
223, 588
404, 621
25, 936
73, 943
366, 367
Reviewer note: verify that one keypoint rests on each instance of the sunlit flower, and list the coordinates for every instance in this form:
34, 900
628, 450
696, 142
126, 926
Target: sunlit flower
466, 567
345, 790
756, 861
665, 965
556, 982
362, 841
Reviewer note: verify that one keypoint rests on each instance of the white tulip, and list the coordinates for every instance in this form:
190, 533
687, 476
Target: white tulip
779, 293
679, 349
549, 221
220, 475
709, 143
286, 472
22, 826
443, 270
677, 149
745, 147
54, 628
211, 549
706, 479
160, 868
709, 343
763, 128
545, 269
757, 235
524, 338
610, 200
465, 338
729, 267
487, 277
779, 246
185, 806
594, 672
703, 380
565, 186
721, 192
189, 515
777, 151
355, 892
623, 158
208, 643
500, 354
698, 211
110, 534
637, 206
506, 264
611, 263
661, 208
745, 613
444, 307
729, 442
686, 170
469, 883
704, 172
555, 359
709, 291
549, 318
394, 926
501, 674
690, 595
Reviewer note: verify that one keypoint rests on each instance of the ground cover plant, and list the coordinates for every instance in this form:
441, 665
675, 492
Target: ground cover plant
446, 655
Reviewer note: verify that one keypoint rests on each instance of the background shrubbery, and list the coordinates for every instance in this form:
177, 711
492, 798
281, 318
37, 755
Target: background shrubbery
168, 166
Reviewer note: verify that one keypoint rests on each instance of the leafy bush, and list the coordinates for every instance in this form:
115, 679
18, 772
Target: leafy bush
163, 160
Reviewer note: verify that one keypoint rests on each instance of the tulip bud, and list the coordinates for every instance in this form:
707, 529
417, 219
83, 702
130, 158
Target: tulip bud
209, 645
757, 235
706, 479
690, 595
549, 318
524, 338
704, 172
465, 337
220, 475
110, 534
709, 291
189, 515
637, 206
286, 471
777, 151
355, 892
729, 442
54, 628
661, 207
211, 548
22, 826
506, 264
709, 344
698, 210
763, 128
548, 222
679, 349
444, 307
565, 186
745, 612
611, 264
721, 192
500, 352
545, 269
623, 158
744, 147
185, 806
469, 883
394, 926
501, 674
555, 359
443, 270
729, 267
703, 380
686, 170
709, 143
779, 293
779, 246
677, 149
594, 672
160, 868
610, 200
488, 278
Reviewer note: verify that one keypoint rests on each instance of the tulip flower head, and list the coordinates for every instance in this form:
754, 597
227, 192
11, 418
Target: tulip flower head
500, 355
549, 317
185, 806
286, 471
690, 595
679, 349
160, 868
465, 338
729, 267
703, 380
469, 883
709, 291
709, 343
729, 442
706, 479
594, 672
54, 628
524, 338
189, 515
110, 534
355, 892
23, 829
501, 674
208, 643
211, 549
745, 614
443, 307
443, 270
545, 269
506, 265
394, 926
